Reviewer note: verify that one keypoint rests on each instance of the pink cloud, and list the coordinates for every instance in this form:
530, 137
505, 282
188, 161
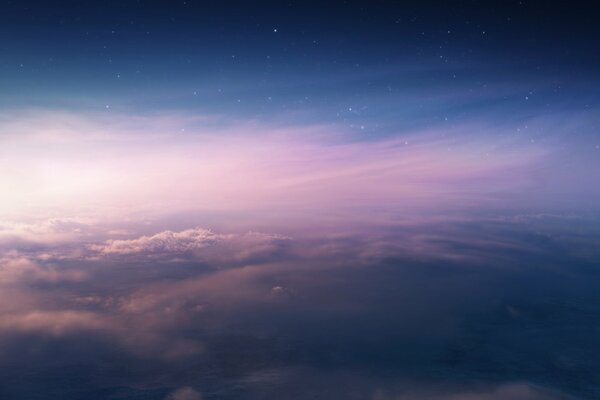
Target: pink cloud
55, 323
15, 268
150, 166
199, 243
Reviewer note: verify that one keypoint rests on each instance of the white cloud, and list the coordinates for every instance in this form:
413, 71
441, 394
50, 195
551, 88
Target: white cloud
162, 242
197, 242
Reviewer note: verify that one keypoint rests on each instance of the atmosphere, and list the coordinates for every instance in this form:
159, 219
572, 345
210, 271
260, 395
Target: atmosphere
377, 200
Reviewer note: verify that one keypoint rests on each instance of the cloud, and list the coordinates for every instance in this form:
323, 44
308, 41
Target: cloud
509, 391
197, 243
55, 323
312, 290
150, 335
15, 267
161, 243
50, 230
185, 393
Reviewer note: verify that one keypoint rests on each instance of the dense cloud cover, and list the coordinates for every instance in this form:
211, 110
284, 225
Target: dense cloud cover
450, 310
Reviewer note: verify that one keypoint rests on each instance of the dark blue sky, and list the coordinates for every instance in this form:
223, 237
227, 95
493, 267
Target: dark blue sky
53, 51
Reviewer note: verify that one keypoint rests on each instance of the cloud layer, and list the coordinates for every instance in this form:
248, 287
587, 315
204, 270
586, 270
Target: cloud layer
257, 310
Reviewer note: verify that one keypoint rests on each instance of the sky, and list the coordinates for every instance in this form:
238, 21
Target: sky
299, 200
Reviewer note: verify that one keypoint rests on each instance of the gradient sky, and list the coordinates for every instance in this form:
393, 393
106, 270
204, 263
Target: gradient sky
299, 200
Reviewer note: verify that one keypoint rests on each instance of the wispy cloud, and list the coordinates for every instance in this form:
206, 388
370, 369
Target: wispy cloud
88, 165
